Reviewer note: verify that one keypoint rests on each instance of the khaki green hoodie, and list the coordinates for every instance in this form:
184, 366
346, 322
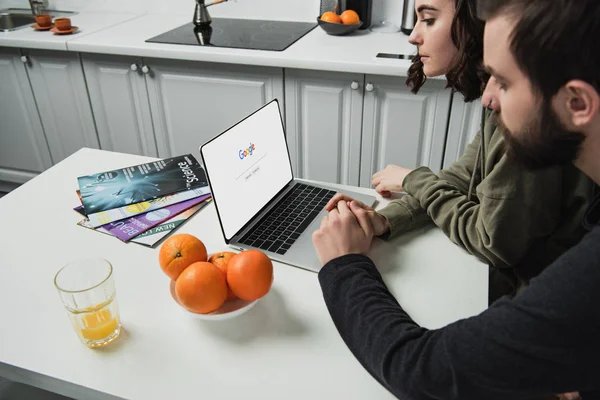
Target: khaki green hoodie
511, 218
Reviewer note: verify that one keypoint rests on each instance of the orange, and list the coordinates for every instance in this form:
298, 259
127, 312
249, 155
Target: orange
221, 260
180, 251
250, 274
201, 288
349, 17
330, 16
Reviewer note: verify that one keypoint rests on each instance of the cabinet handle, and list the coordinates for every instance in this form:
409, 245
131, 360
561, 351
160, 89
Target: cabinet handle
145, 69
25, 59
369, 87
354, 85
134, 67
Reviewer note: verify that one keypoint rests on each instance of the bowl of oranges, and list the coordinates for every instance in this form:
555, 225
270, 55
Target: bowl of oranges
339, 25
221, 286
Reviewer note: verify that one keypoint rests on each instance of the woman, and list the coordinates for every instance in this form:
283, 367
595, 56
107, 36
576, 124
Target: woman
518, 221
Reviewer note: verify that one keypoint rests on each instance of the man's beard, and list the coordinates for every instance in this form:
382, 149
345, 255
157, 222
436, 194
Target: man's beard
543, 142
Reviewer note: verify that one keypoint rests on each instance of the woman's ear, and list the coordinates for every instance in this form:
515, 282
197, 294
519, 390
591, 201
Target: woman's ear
581, 103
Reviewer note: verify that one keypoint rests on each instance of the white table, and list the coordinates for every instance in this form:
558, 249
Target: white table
286, 347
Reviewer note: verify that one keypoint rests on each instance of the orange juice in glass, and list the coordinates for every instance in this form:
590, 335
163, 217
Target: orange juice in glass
87, 290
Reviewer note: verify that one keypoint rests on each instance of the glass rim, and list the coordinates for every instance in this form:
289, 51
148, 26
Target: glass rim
110, 271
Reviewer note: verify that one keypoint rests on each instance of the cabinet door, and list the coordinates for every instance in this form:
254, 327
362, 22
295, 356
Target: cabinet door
119, 100
192, 102
324, 114
23, 148
402, 128
465, 120
61, 95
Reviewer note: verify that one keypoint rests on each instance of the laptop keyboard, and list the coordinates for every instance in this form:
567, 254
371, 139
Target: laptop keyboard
279, 229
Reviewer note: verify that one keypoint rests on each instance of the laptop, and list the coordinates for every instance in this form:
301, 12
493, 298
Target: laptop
259, 203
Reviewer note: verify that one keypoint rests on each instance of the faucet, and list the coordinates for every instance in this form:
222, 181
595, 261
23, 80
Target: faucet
201, 16
38, 6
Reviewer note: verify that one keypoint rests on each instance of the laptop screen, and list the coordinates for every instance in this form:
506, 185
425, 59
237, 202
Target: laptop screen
247, 165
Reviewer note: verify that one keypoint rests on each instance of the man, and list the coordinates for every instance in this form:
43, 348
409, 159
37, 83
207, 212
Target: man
544, 58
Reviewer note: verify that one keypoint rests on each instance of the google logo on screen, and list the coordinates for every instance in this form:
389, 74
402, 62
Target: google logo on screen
247, 152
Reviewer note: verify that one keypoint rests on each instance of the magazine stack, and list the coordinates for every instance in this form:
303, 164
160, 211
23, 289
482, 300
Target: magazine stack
143, 203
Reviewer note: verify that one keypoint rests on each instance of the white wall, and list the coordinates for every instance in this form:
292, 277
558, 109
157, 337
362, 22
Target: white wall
293, 10
297, 10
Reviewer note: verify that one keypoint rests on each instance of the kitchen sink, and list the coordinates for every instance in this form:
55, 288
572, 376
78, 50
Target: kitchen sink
10, 22
16, 18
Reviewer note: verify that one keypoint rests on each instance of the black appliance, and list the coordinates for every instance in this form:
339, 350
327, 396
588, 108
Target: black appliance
409, 17
238, 33
362, 7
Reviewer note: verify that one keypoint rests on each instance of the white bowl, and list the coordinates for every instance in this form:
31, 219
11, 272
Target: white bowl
230, 309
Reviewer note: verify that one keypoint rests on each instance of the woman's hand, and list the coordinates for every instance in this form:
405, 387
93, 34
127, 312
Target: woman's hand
390, 180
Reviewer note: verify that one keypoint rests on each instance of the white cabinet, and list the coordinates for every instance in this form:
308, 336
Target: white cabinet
163, 108
192, 102
23, 149
402, 128
323, 124
119, 98
60, 92
465, 121
340, 127
344, 127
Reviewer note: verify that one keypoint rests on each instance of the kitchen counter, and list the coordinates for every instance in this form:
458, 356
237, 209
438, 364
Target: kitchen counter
88, 22
127, 34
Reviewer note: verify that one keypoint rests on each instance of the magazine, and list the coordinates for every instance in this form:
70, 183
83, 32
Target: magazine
127, 186
154, 235
129, 228
117, 214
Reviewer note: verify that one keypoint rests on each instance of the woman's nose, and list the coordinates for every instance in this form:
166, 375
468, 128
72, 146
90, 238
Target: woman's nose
415, 37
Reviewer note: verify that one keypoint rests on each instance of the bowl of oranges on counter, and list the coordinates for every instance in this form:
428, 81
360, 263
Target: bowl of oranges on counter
339, 25
219, 286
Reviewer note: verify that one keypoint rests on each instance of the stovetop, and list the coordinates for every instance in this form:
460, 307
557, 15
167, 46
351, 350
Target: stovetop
238, 33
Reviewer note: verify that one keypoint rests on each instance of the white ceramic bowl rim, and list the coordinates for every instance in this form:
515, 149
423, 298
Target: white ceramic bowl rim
230, 309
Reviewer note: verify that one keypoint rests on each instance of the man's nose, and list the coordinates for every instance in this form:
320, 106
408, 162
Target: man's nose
489, 98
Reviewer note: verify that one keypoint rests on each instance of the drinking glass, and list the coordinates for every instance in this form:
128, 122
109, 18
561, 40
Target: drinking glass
87, 290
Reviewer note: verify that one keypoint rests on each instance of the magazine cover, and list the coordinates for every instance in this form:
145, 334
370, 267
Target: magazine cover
154, 235
122, 187
117, 214
129, 228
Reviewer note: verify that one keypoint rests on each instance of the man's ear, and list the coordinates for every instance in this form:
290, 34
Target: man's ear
581, 103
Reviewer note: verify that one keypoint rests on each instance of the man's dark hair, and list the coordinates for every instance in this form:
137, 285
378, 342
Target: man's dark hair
468, 75
553, 41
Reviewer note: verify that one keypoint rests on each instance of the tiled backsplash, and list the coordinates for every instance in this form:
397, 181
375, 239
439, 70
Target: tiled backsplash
295, 10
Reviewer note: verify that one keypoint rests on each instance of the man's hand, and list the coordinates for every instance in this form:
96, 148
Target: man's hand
390, 180
344, 231
380, 224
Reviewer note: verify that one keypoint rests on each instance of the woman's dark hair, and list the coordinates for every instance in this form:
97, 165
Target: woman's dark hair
468, 75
